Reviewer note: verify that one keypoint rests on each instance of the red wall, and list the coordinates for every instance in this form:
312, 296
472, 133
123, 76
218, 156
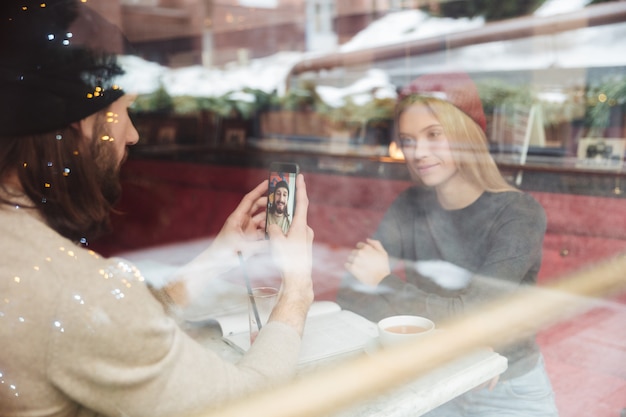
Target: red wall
167, 202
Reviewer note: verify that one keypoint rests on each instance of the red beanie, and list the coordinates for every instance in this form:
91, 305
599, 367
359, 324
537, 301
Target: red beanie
456, 88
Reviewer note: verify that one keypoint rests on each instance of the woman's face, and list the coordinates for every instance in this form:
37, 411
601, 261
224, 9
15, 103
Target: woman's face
425, 146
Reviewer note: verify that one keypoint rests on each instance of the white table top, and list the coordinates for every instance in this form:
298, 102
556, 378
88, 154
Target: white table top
413, 399
433, 389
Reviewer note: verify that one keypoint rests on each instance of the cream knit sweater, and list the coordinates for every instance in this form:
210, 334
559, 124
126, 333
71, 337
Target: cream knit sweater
82, 335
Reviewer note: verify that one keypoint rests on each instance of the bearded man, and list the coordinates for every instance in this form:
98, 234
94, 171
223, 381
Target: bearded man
279, 212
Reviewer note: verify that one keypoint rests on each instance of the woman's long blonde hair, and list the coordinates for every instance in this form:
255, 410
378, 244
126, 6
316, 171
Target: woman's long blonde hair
468, 142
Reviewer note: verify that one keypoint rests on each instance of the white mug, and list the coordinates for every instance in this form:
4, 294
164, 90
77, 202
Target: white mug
397, 329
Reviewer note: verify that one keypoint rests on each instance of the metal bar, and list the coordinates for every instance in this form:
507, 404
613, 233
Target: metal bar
522, 27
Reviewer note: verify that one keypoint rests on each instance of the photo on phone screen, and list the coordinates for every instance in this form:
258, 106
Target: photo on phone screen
281, 196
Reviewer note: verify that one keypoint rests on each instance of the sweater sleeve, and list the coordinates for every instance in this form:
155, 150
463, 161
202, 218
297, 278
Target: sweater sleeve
118, 353
516, 242
512, 258
381, 301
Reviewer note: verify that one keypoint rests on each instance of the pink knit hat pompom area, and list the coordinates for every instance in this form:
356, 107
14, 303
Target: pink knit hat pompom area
456, 88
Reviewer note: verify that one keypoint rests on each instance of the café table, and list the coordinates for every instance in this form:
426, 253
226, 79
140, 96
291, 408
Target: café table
434, 388
413, 399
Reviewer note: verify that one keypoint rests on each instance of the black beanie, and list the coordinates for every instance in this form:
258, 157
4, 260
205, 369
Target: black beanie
281, 184
57, 64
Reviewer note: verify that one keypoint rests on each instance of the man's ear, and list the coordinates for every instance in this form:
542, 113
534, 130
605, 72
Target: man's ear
84, 126
78, 128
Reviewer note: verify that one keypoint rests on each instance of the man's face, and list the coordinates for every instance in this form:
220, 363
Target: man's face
281, 195
111, 133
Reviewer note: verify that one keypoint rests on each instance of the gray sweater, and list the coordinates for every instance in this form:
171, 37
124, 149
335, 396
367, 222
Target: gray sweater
455, 259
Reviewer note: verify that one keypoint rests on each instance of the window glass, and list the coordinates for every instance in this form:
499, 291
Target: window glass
455, 154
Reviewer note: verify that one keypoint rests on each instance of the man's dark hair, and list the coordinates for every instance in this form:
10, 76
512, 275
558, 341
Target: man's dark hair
281, 184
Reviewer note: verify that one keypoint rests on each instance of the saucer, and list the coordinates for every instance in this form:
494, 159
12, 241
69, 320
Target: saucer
373, 345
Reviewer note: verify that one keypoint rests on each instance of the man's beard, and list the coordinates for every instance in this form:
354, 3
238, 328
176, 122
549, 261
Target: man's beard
110, 185
108, 172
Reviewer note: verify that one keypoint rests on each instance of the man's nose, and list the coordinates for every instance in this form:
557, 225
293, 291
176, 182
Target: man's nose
132, 136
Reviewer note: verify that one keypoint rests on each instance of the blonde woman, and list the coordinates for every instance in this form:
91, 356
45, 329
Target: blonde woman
464, 235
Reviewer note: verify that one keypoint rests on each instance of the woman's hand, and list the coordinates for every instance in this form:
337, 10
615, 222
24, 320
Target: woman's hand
369, 262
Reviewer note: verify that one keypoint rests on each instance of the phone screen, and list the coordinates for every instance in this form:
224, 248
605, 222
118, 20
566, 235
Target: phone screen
281, 195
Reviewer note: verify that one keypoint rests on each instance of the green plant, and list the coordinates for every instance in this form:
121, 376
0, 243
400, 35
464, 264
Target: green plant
301, 98
495, 94
337, 118
262, 100
224, 106
185, 105
601, 99
377, 108
344, 116
158, 101
491, 10
231, 105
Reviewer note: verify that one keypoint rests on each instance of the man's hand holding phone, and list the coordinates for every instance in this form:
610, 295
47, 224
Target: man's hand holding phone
243, 229
242, 232
293, 254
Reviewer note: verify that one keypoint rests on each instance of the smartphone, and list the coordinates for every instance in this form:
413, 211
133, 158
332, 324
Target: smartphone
281, 195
